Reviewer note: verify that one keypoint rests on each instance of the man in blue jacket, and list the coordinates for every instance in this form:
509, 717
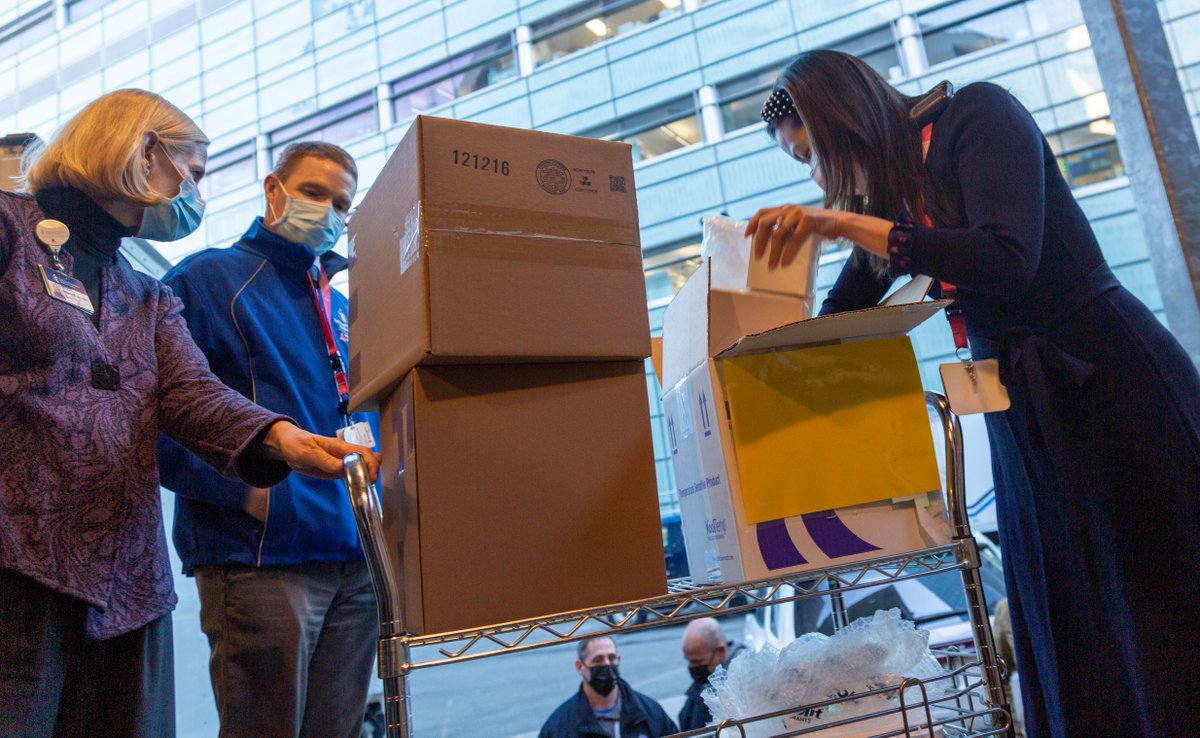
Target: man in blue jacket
285, 597
605, 705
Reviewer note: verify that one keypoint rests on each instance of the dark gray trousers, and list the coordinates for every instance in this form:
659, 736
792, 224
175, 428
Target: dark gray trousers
291, 647
55, 682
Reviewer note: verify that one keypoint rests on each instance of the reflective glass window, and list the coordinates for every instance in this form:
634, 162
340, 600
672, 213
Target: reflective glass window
25, 32
656, 131
461, 75
593, 22
741, 99
1088, 153
967, 27
349, 120
877, 48
77, 9
667, 269
228, 169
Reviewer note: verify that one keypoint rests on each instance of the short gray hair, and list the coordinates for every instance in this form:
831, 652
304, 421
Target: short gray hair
582, 647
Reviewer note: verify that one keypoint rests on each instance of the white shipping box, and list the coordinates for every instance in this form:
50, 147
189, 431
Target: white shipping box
724, 543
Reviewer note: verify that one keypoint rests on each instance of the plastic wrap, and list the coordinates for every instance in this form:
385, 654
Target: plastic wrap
725, 243
868, 654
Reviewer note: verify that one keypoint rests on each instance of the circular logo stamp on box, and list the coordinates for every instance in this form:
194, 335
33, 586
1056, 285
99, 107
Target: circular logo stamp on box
553, 176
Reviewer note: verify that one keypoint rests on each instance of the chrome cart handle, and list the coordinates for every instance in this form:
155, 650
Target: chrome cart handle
368, 516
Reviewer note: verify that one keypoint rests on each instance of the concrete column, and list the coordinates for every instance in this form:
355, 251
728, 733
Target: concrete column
1158, 145
712, 126
912, 50
383, 103
523, 37
262, 154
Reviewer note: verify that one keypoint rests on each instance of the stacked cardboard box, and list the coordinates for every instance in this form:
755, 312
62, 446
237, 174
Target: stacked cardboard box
498, 321
797, 443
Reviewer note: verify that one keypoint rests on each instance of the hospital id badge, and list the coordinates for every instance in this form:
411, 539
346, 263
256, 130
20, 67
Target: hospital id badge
974, 387
359, 433
65, 288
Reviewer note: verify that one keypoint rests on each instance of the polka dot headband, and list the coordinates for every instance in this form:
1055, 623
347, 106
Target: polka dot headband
777, 107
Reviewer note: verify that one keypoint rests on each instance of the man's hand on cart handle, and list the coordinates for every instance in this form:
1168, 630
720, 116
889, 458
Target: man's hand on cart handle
316, 456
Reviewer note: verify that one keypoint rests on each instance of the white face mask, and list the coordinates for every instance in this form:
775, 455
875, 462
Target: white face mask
310, 223
171, 220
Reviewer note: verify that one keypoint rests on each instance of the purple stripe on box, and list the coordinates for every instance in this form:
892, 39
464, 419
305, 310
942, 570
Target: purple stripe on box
833, 537
776, 546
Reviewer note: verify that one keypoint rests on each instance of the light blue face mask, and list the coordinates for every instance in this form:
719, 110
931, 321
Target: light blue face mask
310, 223
171, 220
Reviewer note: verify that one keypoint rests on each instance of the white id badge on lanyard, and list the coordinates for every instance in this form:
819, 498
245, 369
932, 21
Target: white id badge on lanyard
974, 387
359, 433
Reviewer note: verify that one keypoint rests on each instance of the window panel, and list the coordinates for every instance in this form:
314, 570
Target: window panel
35, 30
976, 34
1088, 153
452, 79
592, 23
741, 99
228, 169
349, 120
78, 9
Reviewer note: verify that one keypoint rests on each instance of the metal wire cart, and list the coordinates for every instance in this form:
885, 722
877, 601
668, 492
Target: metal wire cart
968, 700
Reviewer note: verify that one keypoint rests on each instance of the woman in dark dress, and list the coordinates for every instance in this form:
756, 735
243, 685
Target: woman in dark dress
1097, 461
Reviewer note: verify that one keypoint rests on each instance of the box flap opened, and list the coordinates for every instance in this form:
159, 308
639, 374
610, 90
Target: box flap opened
889, 320
829, 426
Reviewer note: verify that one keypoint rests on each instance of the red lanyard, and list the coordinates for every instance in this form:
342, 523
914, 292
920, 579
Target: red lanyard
954, 313
323, 301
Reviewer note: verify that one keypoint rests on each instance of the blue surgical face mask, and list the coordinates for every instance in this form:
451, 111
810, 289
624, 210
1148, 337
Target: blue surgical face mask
310, 223
171, 220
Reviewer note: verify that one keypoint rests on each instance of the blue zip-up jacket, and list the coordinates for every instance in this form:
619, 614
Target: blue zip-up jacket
251, 311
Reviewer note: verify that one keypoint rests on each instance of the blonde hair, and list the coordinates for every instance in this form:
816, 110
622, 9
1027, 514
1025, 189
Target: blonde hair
100, 150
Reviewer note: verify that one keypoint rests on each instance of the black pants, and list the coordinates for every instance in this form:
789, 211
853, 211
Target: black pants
55, 681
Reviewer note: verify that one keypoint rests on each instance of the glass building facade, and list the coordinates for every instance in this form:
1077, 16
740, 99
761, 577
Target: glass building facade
680, 80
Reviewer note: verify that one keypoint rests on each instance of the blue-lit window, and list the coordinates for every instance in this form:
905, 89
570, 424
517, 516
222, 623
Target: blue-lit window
666, 270
593, 22
973, 25
878, 49
341, 123
656, 131
77, 9
1088, 154
461, 75
229, 169
26, 31
741, 99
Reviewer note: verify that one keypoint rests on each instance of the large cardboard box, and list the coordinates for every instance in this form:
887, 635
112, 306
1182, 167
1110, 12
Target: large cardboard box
518, 491
485, 244
800, 444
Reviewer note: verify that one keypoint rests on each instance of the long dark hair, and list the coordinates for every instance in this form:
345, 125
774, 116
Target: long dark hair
856, 121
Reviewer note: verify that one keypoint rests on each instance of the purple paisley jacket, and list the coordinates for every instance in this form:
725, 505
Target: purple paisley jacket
79, 497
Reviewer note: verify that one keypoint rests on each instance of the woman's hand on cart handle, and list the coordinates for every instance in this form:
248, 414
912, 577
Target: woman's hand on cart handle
316, 456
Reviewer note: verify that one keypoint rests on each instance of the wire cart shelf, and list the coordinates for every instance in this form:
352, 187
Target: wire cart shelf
968, 700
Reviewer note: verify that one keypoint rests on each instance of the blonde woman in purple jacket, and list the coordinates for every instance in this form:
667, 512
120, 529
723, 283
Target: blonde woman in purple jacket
95, 360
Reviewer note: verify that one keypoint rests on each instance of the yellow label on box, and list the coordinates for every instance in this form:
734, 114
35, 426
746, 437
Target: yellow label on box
824, 427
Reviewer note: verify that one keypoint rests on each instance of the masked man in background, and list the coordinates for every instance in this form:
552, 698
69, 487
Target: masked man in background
605, 705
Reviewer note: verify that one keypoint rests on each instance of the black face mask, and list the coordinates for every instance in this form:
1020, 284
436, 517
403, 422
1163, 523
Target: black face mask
699, 673
603, 678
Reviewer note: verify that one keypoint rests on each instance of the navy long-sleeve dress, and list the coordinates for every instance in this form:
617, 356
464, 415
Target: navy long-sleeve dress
1097, 462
